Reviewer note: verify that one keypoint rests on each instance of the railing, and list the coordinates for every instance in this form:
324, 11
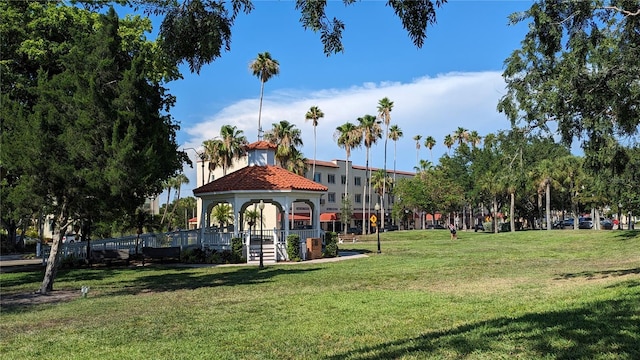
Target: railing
183, 238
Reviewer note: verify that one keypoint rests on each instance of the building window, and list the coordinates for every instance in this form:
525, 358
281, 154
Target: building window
343, 179
331, 178
358, 198
366, 198
322, 201
317, 177
357, 181
331, 197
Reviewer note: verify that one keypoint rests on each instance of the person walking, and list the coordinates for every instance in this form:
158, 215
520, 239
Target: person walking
452, 230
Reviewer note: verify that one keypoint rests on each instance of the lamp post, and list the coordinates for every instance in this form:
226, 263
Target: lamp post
261, 206
202, 156
377, 208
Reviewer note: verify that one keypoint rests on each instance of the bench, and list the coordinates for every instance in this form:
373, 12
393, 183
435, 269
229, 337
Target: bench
160, 253
347, 237
109, 255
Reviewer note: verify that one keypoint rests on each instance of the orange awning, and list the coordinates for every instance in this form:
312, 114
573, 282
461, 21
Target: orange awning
328, 217
430, 217
297, 217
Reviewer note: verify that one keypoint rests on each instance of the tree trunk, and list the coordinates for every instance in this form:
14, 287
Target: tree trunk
54, 256
512, 210
495, 215
548, 206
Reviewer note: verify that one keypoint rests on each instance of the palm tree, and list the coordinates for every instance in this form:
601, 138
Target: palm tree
251, 217
545, 171
212, 153
297, 163
474, 139
347, 136
222, 214
395, 133
461, 135
233, 146
178, 181
568, 172
379, 181
429, 143
264, 68
287, 137
417, 140
448, 142
384, 113
489, 184
224, 150
169, 184
314, 114
371, 132
425, 165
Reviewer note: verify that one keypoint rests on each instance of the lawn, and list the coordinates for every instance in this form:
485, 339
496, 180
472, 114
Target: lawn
563, 294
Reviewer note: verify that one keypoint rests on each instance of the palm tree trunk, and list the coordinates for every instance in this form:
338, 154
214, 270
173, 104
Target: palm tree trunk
364, 195
314, 153
260, 111
166, 208
175, 205
512, 209
347, 222
495, 215
548, 205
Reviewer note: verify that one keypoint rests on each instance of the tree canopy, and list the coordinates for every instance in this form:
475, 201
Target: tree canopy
578, 68
85, 115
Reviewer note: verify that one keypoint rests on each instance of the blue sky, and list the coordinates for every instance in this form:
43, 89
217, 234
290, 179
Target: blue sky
453, 81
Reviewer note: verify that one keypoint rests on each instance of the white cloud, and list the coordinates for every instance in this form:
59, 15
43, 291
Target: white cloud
428, 106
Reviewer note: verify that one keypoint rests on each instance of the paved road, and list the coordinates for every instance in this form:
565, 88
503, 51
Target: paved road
16, 263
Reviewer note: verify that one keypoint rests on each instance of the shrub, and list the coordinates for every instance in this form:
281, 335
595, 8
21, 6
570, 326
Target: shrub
71, 261
331, 244
293, 247
236, 248
193, 256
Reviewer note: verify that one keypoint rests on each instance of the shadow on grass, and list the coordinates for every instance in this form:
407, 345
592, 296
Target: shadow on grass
598, 274
602, 329
627, 234
21, 277
172, 279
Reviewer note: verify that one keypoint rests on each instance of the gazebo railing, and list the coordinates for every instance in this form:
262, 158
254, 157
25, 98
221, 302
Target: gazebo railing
185, 238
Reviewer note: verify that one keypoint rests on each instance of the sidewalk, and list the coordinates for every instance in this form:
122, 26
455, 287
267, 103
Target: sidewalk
10, 263
18, 263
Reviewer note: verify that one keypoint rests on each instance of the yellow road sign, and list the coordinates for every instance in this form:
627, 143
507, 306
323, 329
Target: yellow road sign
374, 220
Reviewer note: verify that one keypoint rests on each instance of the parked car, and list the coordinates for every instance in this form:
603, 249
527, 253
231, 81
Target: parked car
391, 228
606, 224
478, 227
354, 230
69, 238
585, 224
436, 226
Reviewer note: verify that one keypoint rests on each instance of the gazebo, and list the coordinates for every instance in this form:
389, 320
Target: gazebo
261, 182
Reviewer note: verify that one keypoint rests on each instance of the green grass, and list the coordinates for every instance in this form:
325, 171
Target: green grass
528, 295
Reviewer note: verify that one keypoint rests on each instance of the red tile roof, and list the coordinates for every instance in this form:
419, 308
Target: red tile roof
261, 145
260, 178
322, 163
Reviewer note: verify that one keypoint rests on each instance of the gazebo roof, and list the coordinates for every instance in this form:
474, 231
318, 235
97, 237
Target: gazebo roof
268, 177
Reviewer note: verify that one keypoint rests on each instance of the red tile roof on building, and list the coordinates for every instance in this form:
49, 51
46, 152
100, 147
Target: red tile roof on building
261, 145
267, 177
322, 163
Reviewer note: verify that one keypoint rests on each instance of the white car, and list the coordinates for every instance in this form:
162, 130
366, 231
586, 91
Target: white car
69, 238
